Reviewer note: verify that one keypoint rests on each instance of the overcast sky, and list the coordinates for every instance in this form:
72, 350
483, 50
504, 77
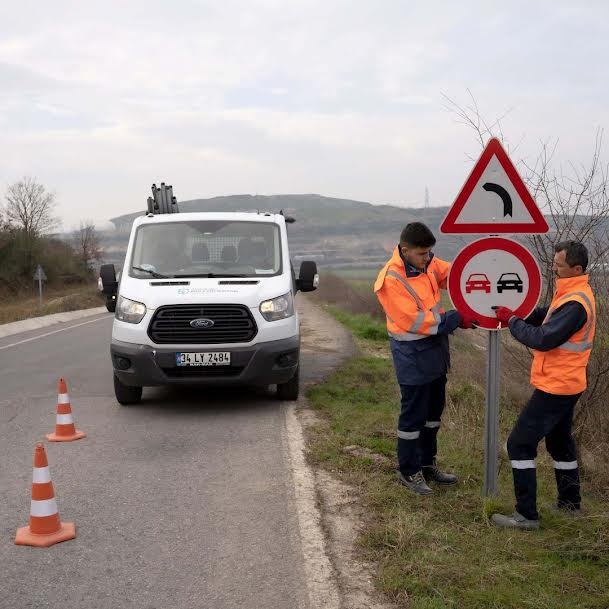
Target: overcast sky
341, 98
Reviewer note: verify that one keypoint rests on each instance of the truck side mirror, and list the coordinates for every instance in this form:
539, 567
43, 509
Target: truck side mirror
107, 274
308, 279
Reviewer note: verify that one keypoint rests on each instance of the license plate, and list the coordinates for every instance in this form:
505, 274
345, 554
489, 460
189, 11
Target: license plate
210, 358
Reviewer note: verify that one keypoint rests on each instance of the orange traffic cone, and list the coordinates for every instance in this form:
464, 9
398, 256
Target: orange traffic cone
45, 528
64, 425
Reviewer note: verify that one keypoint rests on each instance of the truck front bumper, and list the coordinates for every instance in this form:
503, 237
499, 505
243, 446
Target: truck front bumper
261, 364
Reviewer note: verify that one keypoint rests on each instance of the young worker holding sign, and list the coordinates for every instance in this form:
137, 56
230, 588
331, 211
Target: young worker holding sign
408, 288
561, 337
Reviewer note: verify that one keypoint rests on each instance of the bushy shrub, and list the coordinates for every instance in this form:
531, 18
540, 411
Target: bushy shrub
18, 262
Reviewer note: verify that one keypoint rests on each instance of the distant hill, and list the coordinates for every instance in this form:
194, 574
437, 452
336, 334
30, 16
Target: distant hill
314, 210
338, 233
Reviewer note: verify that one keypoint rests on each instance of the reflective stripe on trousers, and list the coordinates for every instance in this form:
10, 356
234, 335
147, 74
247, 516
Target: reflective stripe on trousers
551, 417
418, 424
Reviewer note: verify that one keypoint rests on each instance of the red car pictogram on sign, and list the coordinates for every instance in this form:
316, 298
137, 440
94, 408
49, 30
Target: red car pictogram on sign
477, 282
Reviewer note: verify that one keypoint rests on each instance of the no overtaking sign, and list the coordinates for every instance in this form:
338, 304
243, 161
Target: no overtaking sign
494, 271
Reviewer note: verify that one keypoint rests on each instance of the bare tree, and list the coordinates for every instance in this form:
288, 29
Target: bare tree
29, 210
29, 207
86, 243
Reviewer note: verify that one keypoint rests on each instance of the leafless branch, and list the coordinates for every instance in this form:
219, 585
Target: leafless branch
86, 243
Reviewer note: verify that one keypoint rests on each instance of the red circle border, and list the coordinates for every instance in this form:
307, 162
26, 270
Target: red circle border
497, 243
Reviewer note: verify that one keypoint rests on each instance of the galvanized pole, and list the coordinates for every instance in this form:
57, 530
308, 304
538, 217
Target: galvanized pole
40, 291
491, 432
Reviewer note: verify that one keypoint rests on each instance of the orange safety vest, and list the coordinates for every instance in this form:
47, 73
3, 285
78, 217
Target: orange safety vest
562, 371
411, 304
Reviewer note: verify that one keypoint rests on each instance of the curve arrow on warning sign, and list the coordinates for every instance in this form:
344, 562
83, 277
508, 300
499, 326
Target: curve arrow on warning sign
503, 193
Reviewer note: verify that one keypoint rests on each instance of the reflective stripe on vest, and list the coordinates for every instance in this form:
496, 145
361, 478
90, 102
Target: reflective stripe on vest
408, 287
420, 318
585, 343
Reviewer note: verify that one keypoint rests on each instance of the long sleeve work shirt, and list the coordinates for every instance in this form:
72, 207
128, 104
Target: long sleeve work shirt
562, 324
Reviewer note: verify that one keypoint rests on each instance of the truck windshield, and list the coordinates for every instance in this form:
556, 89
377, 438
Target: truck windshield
206, 249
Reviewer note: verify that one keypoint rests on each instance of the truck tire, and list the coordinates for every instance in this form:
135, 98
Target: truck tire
289, 391
126, 394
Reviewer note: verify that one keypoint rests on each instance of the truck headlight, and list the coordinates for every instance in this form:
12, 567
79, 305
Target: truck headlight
129, 310
277, 308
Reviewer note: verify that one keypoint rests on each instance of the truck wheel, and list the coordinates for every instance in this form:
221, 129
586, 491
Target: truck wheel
290, 390
126, 394
111, 305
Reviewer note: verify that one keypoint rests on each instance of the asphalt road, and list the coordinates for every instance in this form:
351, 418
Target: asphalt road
184, 501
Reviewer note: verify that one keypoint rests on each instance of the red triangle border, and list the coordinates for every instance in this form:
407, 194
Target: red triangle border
537, 226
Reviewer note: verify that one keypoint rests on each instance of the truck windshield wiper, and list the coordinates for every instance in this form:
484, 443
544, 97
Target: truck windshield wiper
153, 273
213, 275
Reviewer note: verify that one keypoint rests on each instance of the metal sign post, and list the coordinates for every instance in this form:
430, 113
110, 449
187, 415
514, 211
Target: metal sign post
40, 276
491, 429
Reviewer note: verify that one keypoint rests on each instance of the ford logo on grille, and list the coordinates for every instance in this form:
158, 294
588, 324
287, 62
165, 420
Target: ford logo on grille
203, 322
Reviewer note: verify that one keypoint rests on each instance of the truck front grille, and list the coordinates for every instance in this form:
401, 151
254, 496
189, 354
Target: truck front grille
231, 324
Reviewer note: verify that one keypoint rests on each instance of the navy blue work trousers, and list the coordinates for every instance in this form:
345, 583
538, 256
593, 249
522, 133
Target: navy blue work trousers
551, 417
418, 424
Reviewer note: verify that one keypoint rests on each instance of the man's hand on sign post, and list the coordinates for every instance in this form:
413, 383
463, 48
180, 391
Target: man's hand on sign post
503, 314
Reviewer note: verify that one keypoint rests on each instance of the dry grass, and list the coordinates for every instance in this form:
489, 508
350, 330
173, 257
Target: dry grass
55, 300
352, 296
443, 552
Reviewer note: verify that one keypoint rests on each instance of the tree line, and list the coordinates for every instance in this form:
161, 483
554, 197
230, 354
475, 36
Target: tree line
28, 238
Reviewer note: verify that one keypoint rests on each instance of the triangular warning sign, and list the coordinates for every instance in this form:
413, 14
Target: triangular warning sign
494, 199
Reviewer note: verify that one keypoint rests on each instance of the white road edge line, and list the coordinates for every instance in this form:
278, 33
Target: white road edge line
319, 573
27, 340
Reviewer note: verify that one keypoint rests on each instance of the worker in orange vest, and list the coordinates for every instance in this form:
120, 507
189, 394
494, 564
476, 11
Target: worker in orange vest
408, 288
561, 337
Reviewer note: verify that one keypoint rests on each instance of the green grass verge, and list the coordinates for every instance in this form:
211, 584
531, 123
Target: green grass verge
362, 325
441, 551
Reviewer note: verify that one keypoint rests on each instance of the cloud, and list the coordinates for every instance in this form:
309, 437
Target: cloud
341, 98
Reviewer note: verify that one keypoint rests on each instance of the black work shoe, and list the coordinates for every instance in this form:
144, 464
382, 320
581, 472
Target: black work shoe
416, 483
515, 521
570, 510
433, 474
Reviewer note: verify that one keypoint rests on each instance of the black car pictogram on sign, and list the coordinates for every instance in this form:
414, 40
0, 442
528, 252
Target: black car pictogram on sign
509, 281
